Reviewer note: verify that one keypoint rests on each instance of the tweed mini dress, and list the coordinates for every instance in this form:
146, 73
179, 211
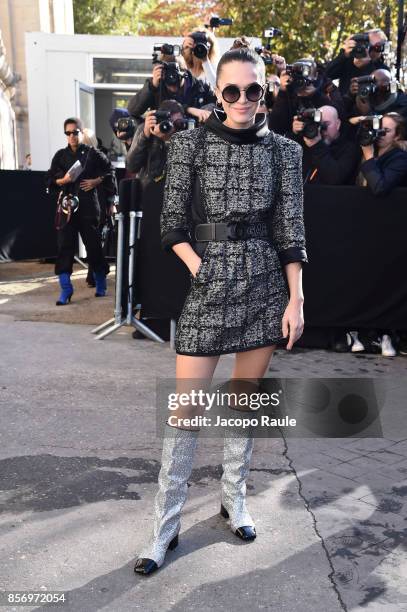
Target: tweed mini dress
239, 294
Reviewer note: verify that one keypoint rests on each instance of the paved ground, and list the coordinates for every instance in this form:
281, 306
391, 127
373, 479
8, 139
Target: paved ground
78, 466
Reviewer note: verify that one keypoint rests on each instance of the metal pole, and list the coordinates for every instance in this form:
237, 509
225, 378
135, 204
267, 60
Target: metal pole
400, 37
132, 236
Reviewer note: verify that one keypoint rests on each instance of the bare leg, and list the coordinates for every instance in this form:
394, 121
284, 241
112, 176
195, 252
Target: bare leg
238, 445
253, 364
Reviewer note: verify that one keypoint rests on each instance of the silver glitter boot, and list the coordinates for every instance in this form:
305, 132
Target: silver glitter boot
238, 447
176, 467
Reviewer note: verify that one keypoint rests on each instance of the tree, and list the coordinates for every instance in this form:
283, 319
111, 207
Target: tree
144, 17
109, 16
176, 17
310, 27
316, 27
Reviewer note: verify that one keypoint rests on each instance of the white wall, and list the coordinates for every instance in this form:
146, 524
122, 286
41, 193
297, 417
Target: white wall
8, 152
54, 63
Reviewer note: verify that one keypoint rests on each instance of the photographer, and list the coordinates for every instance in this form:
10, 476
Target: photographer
385, 165
106, 192
78, 206
148, 153
200, 51
123, 126
301, 87
377, 94
158, 273
171, 81
329, 158
360, 55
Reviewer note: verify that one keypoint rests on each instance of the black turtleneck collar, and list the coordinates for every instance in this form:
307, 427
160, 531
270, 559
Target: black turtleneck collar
251, 135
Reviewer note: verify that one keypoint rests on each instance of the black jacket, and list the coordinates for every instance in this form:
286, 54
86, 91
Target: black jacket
95, 164
194, 93
343, 68
147, 156
399, 105
287, 105
334, 164
386, 172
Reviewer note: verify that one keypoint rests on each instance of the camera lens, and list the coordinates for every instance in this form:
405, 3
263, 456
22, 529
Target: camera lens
165, 126
201, 51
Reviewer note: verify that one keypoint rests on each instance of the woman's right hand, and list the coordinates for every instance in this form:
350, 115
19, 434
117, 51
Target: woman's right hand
187, 254
194, 267
65, 180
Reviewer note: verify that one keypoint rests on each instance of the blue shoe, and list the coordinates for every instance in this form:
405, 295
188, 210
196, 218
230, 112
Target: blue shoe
100, 280
66, 289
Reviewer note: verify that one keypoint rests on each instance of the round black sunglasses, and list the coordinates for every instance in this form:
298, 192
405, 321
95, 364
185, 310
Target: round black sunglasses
254, 92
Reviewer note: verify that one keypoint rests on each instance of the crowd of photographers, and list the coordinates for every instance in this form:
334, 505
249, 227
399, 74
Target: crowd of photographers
352, 132
349, 116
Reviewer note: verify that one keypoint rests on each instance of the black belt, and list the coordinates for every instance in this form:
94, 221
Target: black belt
233, 230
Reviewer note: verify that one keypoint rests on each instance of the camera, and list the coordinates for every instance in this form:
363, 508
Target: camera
165, 124
269, 34
266, 58
166, 49
366, 86
126, 125
362, 45
272, 32
69, 204
311, 117
202, 45
370, 130
216, 22
172, 74
302, 74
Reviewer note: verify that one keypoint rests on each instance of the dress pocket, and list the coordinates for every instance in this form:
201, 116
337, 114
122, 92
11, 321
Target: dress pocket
201, 273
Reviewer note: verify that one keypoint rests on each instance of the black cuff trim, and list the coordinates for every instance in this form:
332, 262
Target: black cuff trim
173, 237
293, 254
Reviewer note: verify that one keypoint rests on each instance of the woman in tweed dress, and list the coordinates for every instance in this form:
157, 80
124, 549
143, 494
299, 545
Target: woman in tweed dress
233, 194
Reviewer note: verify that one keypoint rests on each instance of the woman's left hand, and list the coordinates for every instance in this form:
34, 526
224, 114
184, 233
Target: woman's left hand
88, 184
293, 322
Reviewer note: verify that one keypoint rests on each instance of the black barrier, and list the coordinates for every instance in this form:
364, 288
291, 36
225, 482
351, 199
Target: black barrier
27, 229
356, 246
162, 279
357, 252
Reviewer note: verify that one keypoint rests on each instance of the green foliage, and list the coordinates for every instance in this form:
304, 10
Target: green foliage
109, 16
316, 27
143, 17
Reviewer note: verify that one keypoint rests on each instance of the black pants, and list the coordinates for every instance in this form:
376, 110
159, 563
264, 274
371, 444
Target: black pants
88, 228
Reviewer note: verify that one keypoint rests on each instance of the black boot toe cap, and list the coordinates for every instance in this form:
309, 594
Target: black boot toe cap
246, 532
145, 566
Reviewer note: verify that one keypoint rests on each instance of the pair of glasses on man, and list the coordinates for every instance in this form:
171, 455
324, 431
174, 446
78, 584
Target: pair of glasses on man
254, 92
72, 133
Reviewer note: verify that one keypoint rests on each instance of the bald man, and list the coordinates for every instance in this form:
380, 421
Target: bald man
386, 99
344, 67
329, 158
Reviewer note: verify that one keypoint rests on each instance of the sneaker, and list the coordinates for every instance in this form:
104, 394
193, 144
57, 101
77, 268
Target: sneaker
388, 349
403, 347
354, 342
